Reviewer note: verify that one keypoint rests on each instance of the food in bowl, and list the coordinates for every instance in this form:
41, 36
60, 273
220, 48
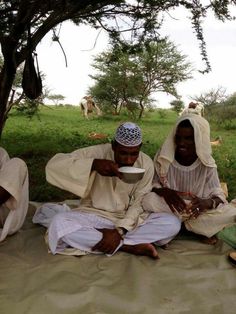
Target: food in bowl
131, 174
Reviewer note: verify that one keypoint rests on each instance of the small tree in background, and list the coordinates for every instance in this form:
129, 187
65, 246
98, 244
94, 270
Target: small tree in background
211, 98
23, 24
131, 77
55, 98
224, 113
177, 105
219, 106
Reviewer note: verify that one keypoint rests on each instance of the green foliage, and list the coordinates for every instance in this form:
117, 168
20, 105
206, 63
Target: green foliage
28, 107
55, 98
132, 77
162, 113
177, 105
223, 112
224, 115
212, 97
63, 129
231, 101
23, 24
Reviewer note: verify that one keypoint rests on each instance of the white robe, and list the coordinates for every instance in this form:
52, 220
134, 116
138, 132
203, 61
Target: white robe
14, 179
107, 202
109, 197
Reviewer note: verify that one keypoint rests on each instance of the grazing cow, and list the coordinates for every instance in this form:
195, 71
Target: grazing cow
88, 105
194, 107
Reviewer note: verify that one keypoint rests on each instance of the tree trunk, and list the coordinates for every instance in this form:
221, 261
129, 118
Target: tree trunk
7, 76
141, 111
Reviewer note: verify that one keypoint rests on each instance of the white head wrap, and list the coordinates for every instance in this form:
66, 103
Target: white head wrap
201, 127
128, 134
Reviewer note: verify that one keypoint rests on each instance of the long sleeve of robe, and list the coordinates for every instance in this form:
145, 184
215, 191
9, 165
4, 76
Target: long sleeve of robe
108, 197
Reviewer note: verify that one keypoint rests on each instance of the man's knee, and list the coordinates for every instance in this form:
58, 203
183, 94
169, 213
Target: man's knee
169, 221
175, 223
58, 219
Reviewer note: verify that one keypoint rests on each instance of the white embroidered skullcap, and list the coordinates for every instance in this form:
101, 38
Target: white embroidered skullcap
128, 134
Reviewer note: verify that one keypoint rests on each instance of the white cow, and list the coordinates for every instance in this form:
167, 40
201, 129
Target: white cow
88, 105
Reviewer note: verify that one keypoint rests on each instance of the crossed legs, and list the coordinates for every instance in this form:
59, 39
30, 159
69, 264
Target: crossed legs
158, 228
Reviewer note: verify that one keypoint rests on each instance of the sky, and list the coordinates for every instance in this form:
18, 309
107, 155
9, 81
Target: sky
81, 45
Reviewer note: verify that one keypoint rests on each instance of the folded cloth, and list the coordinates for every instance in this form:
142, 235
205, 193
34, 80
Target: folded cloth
228, 235
45, 213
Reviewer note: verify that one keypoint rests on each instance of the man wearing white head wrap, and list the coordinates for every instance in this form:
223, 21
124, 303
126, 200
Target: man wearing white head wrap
110, 216
186, 180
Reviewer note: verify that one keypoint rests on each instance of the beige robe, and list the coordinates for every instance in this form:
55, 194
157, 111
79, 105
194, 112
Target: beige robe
200, 179
14, 179
107, 197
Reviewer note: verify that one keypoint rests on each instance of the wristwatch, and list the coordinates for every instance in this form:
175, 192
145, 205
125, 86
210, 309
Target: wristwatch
121, 231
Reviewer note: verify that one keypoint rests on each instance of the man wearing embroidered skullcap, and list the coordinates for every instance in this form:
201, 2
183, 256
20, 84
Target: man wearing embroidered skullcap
110, 216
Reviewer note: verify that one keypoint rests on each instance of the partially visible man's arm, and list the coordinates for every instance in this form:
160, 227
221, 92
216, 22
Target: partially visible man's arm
172, 199
106, 168
73, 172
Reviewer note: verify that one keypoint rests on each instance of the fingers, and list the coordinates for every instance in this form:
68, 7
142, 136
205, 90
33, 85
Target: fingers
196, 207
101, 246
117, 173
109, 241
108, 168
194, 212
175, 202
177, 205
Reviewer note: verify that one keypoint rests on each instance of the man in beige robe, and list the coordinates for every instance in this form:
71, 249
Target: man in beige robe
186, 181
14, 195
110, 216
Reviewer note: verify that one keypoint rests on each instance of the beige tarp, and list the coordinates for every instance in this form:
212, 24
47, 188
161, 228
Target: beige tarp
190, 277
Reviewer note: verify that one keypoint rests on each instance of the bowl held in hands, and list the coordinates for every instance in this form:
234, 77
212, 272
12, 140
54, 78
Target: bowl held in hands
131, 174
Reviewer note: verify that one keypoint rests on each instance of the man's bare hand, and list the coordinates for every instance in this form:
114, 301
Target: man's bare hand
106, 168
110, 240
173, 200
197, 206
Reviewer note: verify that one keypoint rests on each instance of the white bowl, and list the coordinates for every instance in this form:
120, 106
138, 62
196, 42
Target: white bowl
131, 174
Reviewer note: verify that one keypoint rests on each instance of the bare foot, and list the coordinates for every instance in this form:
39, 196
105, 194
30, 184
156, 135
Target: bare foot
211, 241
145, 249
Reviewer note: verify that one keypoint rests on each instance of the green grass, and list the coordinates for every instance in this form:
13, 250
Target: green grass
62, 129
